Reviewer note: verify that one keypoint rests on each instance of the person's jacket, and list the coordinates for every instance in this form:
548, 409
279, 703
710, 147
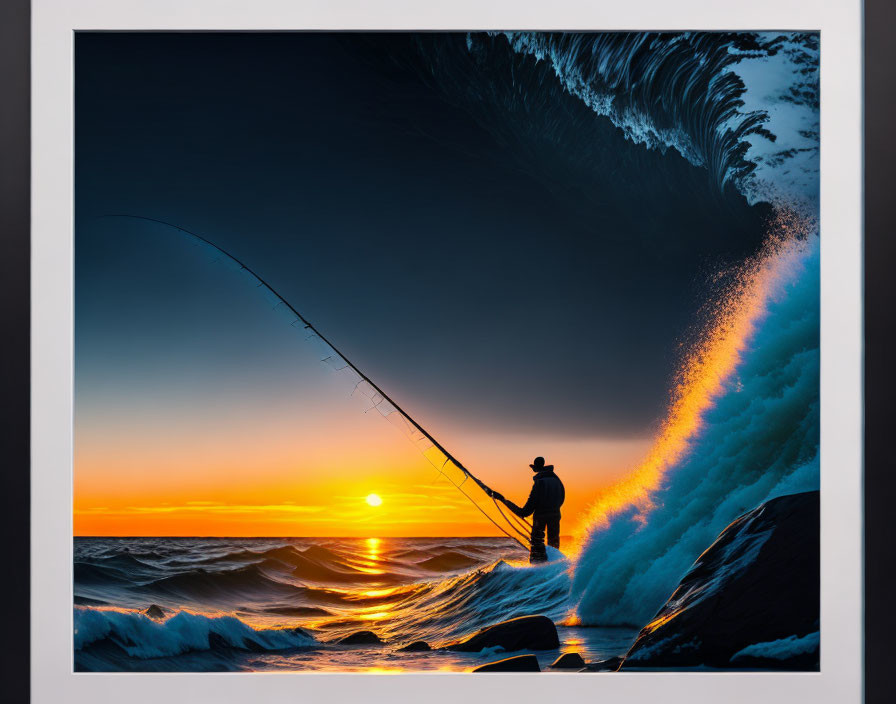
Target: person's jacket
545, 499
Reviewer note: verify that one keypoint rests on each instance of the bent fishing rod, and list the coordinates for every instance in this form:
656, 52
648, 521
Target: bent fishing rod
308, 326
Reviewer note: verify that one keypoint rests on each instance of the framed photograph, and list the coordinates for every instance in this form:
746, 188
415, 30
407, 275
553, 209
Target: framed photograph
600, 266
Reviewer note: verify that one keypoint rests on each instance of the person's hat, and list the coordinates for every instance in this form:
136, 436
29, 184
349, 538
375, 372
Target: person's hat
539, 465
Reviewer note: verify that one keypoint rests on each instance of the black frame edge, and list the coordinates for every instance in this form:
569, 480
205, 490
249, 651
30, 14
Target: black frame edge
879, 318
15, 206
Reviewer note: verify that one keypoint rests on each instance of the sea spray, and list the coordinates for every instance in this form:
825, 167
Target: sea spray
743, 427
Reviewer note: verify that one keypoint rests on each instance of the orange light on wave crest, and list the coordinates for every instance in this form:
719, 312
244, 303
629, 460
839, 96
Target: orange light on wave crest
710, 364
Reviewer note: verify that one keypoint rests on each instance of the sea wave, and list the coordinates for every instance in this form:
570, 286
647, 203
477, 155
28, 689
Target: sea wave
741, 105
722, 100
203, 584
140, 636
743, 421
442, 590
755, 436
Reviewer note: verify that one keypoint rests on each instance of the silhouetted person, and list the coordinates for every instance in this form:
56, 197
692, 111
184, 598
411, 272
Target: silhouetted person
543, 505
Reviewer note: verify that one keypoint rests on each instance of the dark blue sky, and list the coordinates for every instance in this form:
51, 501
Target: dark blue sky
482, 243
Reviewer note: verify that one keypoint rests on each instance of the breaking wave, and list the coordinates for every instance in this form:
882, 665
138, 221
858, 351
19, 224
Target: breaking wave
143, 637
743, 428
744, 106
743, 419
699, 93
244, 596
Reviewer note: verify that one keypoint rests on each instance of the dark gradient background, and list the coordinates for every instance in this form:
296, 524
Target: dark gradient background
481, 245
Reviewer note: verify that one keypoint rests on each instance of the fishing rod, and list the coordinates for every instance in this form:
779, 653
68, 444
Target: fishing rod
308, 326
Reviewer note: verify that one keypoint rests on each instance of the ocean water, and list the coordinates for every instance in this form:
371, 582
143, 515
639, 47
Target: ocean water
248, 604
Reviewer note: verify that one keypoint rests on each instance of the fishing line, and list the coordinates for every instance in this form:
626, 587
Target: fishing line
338, 362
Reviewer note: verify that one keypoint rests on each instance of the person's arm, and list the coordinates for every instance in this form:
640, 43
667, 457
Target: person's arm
528, 508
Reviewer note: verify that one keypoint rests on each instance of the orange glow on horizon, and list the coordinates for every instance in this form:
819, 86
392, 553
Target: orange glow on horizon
285, 472
130, 489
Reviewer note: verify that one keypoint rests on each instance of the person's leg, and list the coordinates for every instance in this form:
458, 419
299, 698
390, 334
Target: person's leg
537, 553
554, 533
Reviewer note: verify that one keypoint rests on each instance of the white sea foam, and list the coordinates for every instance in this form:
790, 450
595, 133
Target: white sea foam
142, 637
784, 87
782, 649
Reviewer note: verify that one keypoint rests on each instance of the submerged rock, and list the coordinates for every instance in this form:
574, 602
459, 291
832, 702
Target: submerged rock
361, 638
751, 599
154, 611
569, 661
416, 647
523, 633
518, 663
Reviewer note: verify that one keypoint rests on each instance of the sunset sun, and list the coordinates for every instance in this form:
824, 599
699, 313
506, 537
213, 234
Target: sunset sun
374, 500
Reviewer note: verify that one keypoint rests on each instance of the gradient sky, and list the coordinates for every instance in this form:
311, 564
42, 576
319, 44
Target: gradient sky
517, 275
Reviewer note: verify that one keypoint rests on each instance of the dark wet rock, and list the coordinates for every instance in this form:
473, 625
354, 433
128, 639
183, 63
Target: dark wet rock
523, 633
609, 665
569, 661
361, 638
155, 611
757, 585
518, 663
417, 646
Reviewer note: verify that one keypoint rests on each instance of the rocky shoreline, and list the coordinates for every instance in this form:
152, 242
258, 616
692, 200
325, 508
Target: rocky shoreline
750, 601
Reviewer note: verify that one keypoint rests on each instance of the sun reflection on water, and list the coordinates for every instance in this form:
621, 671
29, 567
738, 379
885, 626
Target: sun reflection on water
368, 557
